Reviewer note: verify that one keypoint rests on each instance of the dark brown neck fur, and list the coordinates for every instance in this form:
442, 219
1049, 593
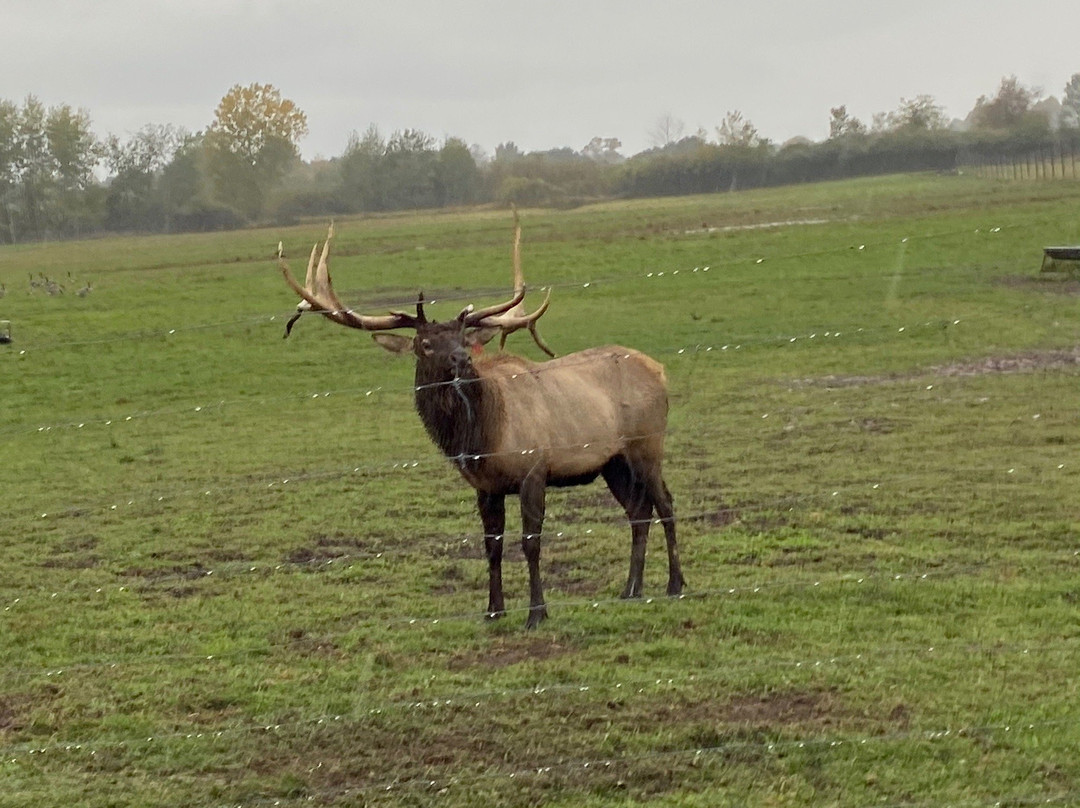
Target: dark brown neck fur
456, 414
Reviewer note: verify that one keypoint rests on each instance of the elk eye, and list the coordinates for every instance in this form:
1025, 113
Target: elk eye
425, 346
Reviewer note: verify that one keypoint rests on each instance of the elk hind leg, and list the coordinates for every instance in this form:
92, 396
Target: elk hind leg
629, 489
665, 510
533, 494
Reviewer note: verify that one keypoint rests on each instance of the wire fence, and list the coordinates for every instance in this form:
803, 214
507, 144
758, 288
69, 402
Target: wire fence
713, 269
1052, 162
64, 515
723, 754
737, 590
817, 338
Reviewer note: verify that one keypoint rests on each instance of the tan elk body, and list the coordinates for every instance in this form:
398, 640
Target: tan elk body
513, 426
570, 415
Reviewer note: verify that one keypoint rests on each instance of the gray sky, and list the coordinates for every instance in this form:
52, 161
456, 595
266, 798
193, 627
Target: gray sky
541, 74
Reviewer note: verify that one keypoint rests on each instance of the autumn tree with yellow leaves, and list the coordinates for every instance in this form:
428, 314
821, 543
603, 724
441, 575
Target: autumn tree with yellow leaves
251, 144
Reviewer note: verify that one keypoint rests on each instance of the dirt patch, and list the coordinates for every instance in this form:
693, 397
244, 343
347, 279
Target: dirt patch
428, 742
65, 562
451, 579
1051, 284
75, 553
712, 723
790, 709
177, 581
326, 547
569, 577
876, 426
1018, 363
1026, 362
190, 572
722, 517
16, 709
509, 651
307, 645
867, 532
471, 549
712, 514
584, 505
12, 710
583, 498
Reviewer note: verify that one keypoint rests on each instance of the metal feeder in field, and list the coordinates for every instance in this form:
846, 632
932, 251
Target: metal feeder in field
1065, 260
5, 332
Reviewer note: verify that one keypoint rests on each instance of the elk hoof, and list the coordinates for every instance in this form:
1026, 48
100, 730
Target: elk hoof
675, 586
537, 614
632, 590
494, 614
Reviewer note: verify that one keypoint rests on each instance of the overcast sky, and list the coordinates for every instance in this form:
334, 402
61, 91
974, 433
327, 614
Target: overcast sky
543, 74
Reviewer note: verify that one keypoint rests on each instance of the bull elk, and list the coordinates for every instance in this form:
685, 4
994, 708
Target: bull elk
513, 426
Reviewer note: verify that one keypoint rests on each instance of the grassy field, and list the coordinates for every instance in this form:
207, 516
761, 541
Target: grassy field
237, 573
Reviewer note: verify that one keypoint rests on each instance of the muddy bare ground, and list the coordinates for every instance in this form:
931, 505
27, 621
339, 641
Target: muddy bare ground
509, 651
1055, 283
1024, 362
460, 746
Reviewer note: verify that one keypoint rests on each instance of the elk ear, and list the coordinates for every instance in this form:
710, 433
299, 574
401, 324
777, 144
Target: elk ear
481, 336
395, 343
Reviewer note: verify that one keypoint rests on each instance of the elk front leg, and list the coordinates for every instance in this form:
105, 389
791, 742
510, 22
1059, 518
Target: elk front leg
493, 515
533, 493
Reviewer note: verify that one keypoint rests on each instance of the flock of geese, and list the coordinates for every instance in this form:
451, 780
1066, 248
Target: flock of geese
50, 286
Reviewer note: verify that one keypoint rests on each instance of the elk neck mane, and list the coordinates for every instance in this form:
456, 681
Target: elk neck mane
463, 417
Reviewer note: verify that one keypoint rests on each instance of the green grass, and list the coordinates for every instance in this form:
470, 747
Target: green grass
237, 573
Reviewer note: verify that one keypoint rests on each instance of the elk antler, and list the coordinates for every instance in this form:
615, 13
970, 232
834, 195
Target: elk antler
318, 295
508, 319
515, 319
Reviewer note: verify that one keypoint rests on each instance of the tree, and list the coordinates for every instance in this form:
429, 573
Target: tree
251, 143
508, 152
666, 130
735, 131
410, 170
404, 172
457, 179
146, 152
47, 159
841, 124
72, 146
919, 113
1070, 103
34, 168
604, 150
9, 151
134, 200
183, 178
185, 190
361, 166
1007, 109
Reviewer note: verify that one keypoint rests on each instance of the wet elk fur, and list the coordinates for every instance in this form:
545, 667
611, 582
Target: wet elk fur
513, 426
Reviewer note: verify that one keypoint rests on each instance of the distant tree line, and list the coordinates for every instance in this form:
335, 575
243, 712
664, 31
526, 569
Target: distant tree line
57, 179
917, 136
